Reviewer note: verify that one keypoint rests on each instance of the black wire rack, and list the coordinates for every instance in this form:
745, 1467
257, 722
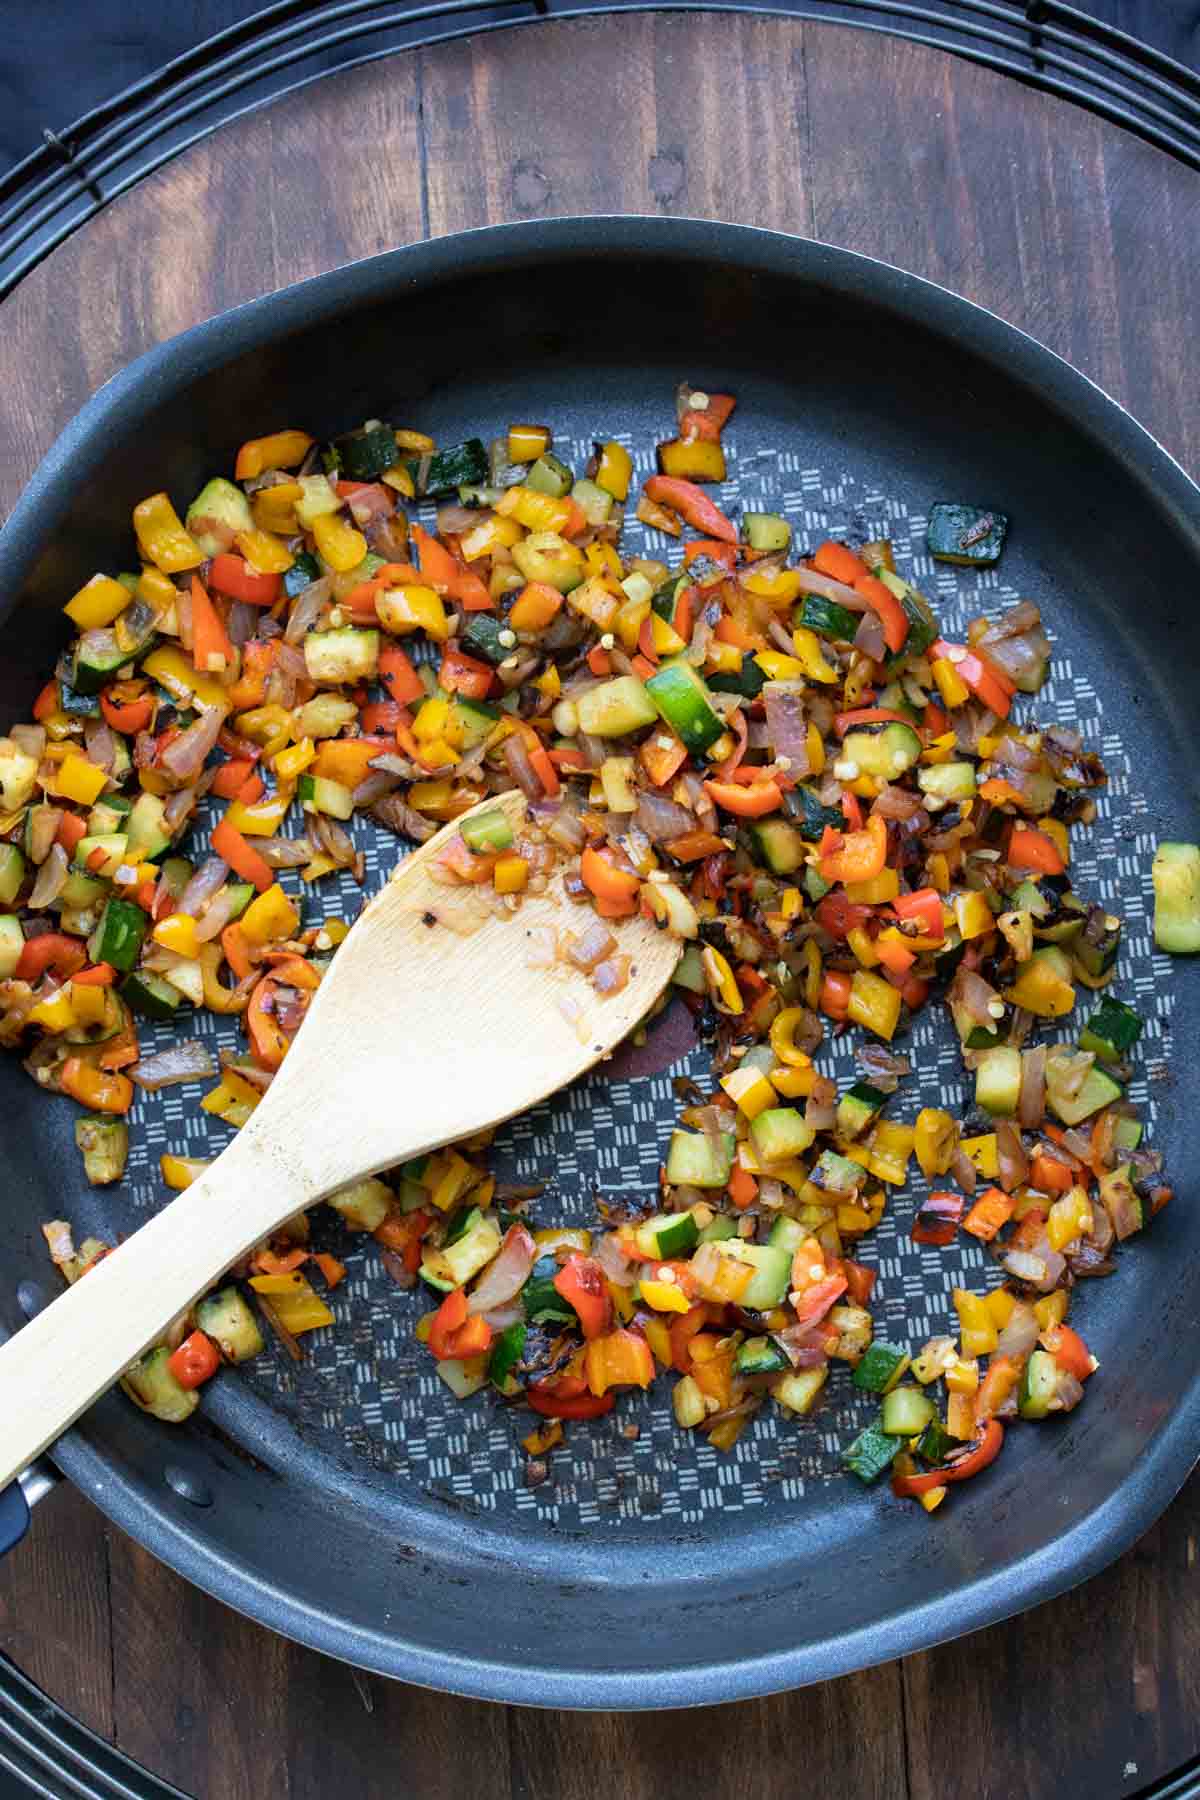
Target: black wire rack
79, 168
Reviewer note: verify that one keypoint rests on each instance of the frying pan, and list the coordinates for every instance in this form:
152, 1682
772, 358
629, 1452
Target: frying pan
349, 1502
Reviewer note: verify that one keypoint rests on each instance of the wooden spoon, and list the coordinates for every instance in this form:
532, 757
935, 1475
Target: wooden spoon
418, 1036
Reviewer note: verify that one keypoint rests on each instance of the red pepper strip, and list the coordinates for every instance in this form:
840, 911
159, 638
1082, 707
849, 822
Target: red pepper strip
231, 778
133, 716
211, 648
749, 802
646, 642
399, 677
834, 1001
859, 1279
987, 1448
868, 715
98, 975
815, 1301
233, 575
71, 830
726, 554
242, 857
46, 702
860, 856
562, 1406
692, 504
581, 1283
1069, 1351
839, 562
887, 609
52, 950
923, 908
852, 809
462, 674
195, 1360
442, 569
986, 681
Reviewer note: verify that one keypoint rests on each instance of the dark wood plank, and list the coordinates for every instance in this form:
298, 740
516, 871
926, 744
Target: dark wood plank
54, 1607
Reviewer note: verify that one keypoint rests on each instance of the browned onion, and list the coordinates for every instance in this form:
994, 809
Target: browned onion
811, 582
661, 819
43, 830
1032, 1104
516, 759
1020, 1334
397, 815
456, 519
242, 622
882, 1067
611, 976
964, 1172
596, 943
803, 1345
869, 638
184, 756
216, 916
306, 609
31, 739
100, 744
1068, 1391
896, 803
973, 994
507, 1274
821, 1106
787, 726
333, 838
394, 1264
1011, 1160
177, 807
613, 1260
51, 877
284, 853
564, 827
187, 1061
203, 885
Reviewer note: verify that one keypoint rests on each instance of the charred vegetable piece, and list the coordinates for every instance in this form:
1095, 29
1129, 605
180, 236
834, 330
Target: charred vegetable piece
441, 474
104, 1142
871, 1454
1112, 1029
965, 534
365, 454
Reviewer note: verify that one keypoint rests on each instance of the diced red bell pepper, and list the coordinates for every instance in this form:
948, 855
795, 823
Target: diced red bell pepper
577, 1406
692, 504
195, 1361
938, 1219
581, 1283
232, 575
987, 1448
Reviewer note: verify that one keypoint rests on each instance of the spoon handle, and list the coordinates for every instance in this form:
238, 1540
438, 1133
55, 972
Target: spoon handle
56, 1365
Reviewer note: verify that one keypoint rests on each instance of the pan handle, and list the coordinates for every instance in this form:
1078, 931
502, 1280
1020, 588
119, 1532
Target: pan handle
32, 1485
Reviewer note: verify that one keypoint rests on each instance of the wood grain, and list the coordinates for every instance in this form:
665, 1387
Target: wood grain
1070, 229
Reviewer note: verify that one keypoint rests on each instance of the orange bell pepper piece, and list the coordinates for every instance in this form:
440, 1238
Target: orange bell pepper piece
97, 1088
607, 883
751, 801
855, 855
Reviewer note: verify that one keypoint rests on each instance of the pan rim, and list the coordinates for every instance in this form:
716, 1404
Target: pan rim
1067, 1559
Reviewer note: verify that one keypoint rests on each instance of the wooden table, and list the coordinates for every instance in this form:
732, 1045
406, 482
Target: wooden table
1066, 226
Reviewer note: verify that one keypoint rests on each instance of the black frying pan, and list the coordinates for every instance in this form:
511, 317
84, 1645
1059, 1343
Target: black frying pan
353, 1505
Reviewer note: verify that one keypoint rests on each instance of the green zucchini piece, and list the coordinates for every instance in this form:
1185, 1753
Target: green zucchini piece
1127, 1133
1112, 1029
506, 1353
1098, 1089
75, 703
1176, 874
147, 832
681, 699
225, 1317
772, 1273
858, 1108
778, 845
473, 719
98, 656
549, 475
543, 1303
947, 781
721, 1228
667, 1235
1123, 1203
480, 634
998, 1081
787, 1234
152, 1386
12, 873
971, 536
885, 751
1096, 946
487, 833
104, 1142
118, 937
871, 1454
363, 1205
316, 793
827, 618
766, 531
151, 995
780, 1133
347, 655
809, 816
477, 1246
617, 707
596, 503
748, 681
303, 572
689, 972
759, 1356
906, 1411
1039, 1384
935, 1444
837, 1174
880, 1367
12, 942
367, 452
437, 476
798, 1390
696, 1160
219, 511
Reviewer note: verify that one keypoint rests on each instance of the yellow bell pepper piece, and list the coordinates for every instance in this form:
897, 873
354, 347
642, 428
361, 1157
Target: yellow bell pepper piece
667, 641
412, 608
418, 442
97, 603
942, 749
863, 948
157, 590
527, 442
1069, 1218
972, 915
782, 1038
877, 892
56, 1012
436, 799
274, 508
664, 1296
180, 1171
628, 622
341, 545
749, 1090
161, 537
982, 1152
793, 1083
808, 649
562, 1237
976, 1324
431, 719
602, 559
533, 509
177, 932
399, 478
1000, 1303
722, 984
780, 587
852, 1220
294, 1300
549, 683
173, 670
614, 470
264, 551
510, 874
701, 460
90, 1004
724, 659
938, 870
935, 1140
490, 534
1040, 989
791, 903
962, 1376
263, 724
950, 684
874, 1003
1056, 831
816, 751
263, 818
291, 763
232, 1100
281, 450
890, 1145
1051, 1309
270, 917
80, 780
452, 1176
778, 667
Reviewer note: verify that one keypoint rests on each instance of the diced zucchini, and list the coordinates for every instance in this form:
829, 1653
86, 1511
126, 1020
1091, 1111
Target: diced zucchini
681, 698
871, 1454
217, 514
1112, 1029
885, 751
667, 1235
858, 1108
104, 1142
438, 476
317, 793
905, 1411
766, 531
12, 873
118, 937
549, 475
810, 816
347, 655
880, 1368
147, 833
947, 781
935, 1444
1127, 1134
721, 1228
75, 704
12, 942
543, 1303
227, 1319
799, 1390
749, 680
367, 453
479, 635
998, 1081
778, 844
154, 1388
696, 1160
18, 775
476, 1246
1098, 1089
545, 556
779, 1134
487, 833
99, 654
1176, 873
689, 972
772, 1273
616, 707
967, 535
759, 1356
364, 1205
787, 1234
837, 1174
108, 815
827, 618
595, 502
151, 995
506, 1353
1095, 948
304, 571
1039, 1384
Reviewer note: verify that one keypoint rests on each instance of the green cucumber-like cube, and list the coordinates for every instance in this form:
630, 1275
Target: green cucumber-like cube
998, 1081
721, 1228
506, 1353
595, 502
541, 1299
778, 844
616, 708
118, 937
79, 892
787, 1234
240, 893
473, 719
667, 1235
304, 571
696, 1160
104, 1142
885, 752
809, 816
689, 972
487, 832
905, 1411
827, 618
880, 1367
922, 627
225, 1316
1176, 874
947, 781
152, 1385
1112, 1029
1039, 1384
798, 1390
146, 829
966, 535
1127, 1134
935, 1444
1096, 946
837, 1174
772, 1273
438, 476
364, 454
858, 1108
317, 793
549, 475
151, 995
363, 1205
219, 511
480, 636
780, 1133
347, 655
871, 1454
759, 1356
545, 556
12, 942
77, 704
477, 1246
12, 873
682, 700
1097, 1089
749, 680
766, 531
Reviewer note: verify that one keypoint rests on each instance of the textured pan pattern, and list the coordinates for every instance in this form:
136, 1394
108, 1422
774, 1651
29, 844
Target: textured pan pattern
367, 1387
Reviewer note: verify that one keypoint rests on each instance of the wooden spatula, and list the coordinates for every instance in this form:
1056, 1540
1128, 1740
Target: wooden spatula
418, 1036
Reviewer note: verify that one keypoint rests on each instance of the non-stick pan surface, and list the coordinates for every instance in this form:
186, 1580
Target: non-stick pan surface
351, 1503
